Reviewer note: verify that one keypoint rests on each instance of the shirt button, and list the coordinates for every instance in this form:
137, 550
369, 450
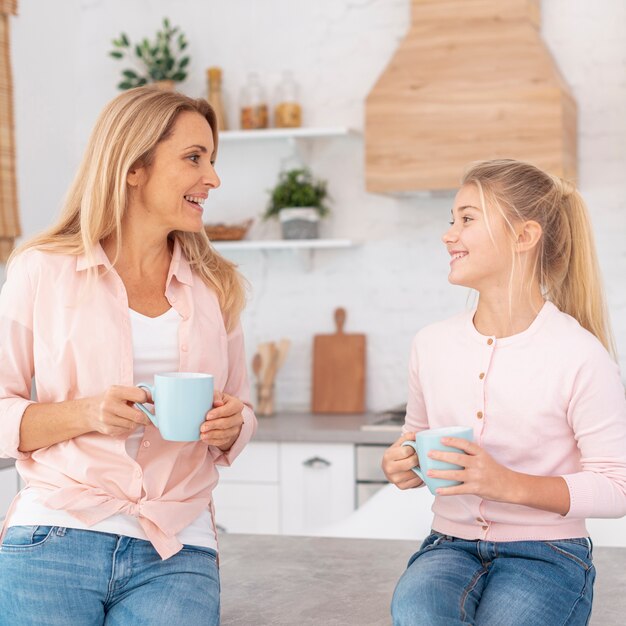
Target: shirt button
138, 473
479, 415
481, 375
184, 347
172, 298
146, 444
489, 341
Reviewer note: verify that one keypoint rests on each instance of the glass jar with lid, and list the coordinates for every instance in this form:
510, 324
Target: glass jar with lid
253, 107
287, 110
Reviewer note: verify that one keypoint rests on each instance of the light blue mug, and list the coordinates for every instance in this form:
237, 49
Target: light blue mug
428, 440
181, 402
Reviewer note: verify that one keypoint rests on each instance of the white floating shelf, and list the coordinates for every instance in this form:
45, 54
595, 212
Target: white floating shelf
285, 133
283, 244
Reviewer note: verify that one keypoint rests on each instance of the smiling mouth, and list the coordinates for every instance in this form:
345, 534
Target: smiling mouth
195, 201
457, 256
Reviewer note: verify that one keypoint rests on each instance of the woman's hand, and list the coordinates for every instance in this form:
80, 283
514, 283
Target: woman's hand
398, 462
223, 422
482, 476
112, 413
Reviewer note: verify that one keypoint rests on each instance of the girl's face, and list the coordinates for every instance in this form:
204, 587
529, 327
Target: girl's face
170, 192
478, 259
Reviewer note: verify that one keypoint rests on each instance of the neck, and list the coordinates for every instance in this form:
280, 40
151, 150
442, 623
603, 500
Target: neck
143, 250
501, 315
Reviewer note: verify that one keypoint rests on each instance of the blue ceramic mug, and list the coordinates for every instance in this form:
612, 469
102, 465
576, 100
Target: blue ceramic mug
428, 440
181, 402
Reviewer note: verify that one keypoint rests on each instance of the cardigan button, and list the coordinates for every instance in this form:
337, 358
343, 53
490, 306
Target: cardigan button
481, 375
479, 415
489, 341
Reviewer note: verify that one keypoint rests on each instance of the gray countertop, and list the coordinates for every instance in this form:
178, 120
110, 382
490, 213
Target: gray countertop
4, 463
274, 580
302, 427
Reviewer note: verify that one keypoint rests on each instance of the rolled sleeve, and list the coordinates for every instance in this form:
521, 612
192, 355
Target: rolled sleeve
237, 385
16, 356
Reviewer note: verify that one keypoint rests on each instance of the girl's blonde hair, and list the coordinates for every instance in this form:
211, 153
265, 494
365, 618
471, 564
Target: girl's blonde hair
125, 135
566, 263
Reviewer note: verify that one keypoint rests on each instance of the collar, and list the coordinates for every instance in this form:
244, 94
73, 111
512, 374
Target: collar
179, 266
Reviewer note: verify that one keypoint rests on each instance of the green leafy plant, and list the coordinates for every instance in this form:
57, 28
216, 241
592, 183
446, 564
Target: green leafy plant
297, 188
156, 60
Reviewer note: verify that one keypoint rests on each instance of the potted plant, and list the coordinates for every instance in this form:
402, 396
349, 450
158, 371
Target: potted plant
160, 62
298, 202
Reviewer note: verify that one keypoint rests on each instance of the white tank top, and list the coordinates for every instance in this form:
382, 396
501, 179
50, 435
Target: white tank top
155, 349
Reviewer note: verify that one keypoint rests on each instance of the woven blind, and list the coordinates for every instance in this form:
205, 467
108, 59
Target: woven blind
9, 214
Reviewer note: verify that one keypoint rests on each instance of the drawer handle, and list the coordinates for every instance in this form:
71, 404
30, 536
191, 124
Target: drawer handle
316, 462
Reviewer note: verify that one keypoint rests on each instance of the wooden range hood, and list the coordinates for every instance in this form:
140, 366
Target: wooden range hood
471, 80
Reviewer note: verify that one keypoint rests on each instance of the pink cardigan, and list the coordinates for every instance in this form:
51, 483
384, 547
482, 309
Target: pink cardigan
548, 401
77, 342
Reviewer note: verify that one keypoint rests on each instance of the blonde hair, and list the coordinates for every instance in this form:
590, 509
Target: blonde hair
566, 264
126, 134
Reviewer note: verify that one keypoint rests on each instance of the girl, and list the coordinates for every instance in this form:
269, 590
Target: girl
115, 524
529, 369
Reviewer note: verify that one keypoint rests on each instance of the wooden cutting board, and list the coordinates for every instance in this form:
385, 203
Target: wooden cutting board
339, 370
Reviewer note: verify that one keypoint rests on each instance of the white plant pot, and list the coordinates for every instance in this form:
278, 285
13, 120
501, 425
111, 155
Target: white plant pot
299, 223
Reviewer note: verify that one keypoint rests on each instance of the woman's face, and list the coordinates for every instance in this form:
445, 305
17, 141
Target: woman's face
479, 260
169, 193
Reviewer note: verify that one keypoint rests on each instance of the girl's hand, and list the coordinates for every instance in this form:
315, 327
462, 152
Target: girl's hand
398, 461
223, 422
481, 476
113, 413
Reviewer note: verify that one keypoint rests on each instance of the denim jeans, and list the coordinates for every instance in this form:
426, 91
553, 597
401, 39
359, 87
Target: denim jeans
53, 576
454, 582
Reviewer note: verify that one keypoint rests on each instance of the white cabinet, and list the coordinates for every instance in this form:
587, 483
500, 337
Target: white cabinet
247, 498
247, 508
8, 489
317, 485
286, 488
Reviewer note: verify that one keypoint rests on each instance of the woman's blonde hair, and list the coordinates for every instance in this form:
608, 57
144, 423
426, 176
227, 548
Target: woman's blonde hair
566, 264
125, 135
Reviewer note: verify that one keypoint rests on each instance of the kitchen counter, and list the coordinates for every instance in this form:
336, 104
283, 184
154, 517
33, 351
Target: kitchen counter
5, 463
274, 580
303, 427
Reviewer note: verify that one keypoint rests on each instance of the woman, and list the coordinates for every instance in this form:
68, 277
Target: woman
529, 370
115, 524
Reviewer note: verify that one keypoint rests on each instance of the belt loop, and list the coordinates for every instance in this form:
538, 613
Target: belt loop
61, 530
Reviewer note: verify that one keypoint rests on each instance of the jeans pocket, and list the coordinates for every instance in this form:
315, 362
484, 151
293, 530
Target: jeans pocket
24, 537
578, 550
205, 551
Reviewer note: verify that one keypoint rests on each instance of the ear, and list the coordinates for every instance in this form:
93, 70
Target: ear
135, 175
528, 235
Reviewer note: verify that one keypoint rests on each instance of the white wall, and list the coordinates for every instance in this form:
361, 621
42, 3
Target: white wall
395, 281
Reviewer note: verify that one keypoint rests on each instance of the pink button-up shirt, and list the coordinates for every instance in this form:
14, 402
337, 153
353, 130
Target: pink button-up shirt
74, 337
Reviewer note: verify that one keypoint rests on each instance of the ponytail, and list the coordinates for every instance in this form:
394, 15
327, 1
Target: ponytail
577, 291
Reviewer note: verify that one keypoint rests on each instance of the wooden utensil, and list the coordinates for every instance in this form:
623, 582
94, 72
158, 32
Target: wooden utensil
257, 364
339, 370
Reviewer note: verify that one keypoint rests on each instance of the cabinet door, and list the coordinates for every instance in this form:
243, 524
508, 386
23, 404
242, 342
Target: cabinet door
8, 489
257, 463
247, 508
317, 486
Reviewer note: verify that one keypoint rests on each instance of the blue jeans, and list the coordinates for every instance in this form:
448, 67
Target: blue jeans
53, 576
454, 582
